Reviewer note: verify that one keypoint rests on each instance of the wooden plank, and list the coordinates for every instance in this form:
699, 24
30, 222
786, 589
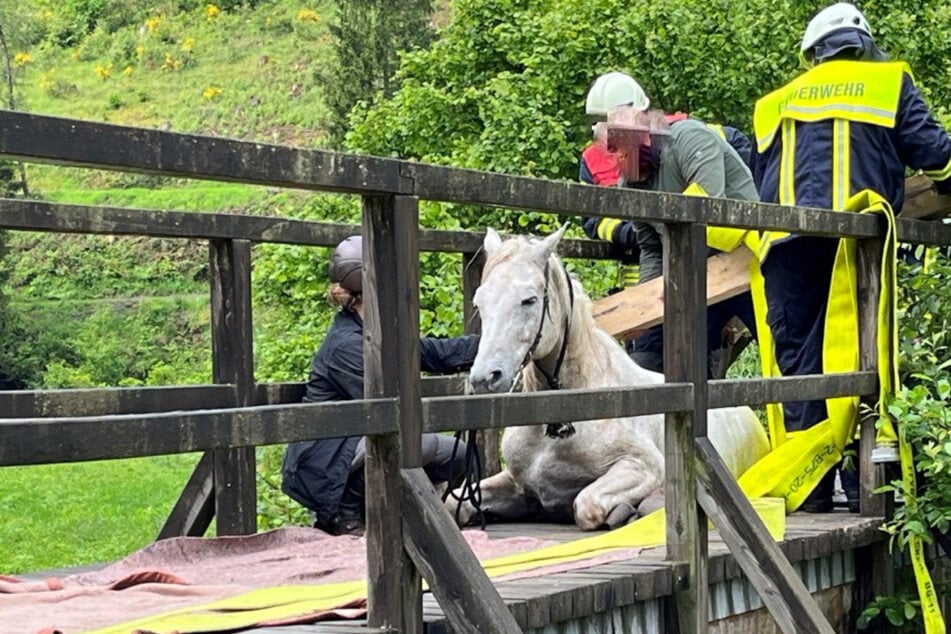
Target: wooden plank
874, 568
50, 440
279, 393
487, 440
193, 511
45, 216
103, 401
753, 392
447, 184
922, 199
456, 577
776, 581
642, 306
233, 363
32, 137
391, 362
685, 359
479, 411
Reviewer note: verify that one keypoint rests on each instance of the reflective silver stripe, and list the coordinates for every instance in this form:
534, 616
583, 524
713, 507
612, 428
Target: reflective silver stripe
840, 163
787, 164
841, 107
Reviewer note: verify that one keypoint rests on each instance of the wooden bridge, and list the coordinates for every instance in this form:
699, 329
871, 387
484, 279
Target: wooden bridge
697, 579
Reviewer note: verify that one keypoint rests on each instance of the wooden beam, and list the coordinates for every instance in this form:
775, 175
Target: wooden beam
685, 359
463, 590
487, 440
758, 391
33, 215
391, 362
32, 137
642, 306
52, 440
233, 362
875, 569
776, 581
494, 411
103, 401
922, 199
193, 511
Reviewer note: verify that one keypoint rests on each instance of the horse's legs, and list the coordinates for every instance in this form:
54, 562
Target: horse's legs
625, 484
502, 498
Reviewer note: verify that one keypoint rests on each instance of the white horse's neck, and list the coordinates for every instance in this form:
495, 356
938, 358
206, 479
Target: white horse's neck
592, 358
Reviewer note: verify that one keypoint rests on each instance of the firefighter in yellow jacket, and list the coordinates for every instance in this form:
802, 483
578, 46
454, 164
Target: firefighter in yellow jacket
851, 123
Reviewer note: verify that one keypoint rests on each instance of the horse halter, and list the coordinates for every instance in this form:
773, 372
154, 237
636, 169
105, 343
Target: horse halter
552, 430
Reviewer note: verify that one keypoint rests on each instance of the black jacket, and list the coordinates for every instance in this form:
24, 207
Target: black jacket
315, 472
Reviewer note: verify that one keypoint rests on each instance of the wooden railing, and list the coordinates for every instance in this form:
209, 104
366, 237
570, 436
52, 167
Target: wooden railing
228, 419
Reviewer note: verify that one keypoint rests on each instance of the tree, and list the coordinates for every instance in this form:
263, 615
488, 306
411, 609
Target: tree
369, 37
503, 87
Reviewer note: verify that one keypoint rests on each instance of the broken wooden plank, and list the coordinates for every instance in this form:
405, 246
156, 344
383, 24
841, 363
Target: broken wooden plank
642, 306
922, 201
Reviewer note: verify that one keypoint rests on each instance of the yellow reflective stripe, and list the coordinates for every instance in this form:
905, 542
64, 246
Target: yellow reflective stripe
840, 164
941, 174
629, 275
787, 165
856, 112
606, 228
716, 127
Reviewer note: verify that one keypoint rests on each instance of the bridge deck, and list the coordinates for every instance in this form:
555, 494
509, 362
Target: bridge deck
820, 546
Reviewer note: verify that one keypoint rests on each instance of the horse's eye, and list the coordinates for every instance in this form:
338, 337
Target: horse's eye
529, 301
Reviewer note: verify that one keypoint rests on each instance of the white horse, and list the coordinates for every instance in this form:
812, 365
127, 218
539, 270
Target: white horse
596, 473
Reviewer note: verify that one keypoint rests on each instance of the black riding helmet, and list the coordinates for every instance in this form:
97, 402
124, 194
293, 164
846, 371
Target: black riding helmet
346, 264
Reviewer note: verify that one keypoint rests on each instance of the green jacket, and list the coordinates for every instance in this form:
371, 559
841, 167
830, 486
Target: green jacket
692, 154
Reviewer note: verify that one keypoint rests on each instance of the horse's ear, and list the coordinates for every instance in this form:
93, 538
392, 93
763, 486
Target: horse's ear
492, 241
548, 246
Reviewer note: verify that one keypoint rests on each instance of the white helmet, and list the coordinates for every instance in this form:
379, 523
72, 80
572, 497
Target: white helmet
614, 89
833, 18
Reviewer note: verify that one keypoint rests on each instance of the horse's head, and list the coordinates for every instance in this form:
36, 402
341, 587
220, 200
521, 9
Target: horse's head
521, 316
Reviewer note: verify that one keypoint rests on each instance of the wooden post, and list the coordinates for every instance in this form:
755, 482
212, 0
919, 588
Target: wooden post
685, 360
233, 362
486, 439
874, 567
455, 575
777, 582
195, 507
391, 360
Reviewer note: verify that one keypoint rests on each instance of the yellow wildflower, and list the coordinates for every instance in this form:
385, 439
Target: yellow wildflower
306, 15
139, 50
21, 59
210, 92
127, 71
104, 71
211, 12
188, 44
152, 24
171, 63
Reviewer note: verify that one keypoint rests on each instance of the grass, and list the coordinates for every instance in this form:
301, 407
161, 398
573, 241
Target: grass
73, 514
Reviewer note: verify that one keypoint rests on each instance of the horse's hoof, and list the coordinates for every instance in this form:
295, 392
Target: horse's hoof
620, 515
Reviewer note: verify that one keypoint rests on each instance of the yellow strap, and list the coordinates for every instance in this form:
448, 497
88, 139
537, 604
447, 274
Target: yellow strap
268, 604
795, 466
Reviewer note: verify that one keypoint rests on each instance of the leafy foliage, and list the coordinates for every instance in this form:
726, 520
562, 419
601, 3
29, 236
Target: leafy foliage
503, 87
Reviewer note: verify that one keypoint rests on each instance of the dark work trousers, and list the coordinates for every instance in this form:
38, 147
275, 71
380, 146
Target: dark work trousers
798, 276
648, 349
443, 461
